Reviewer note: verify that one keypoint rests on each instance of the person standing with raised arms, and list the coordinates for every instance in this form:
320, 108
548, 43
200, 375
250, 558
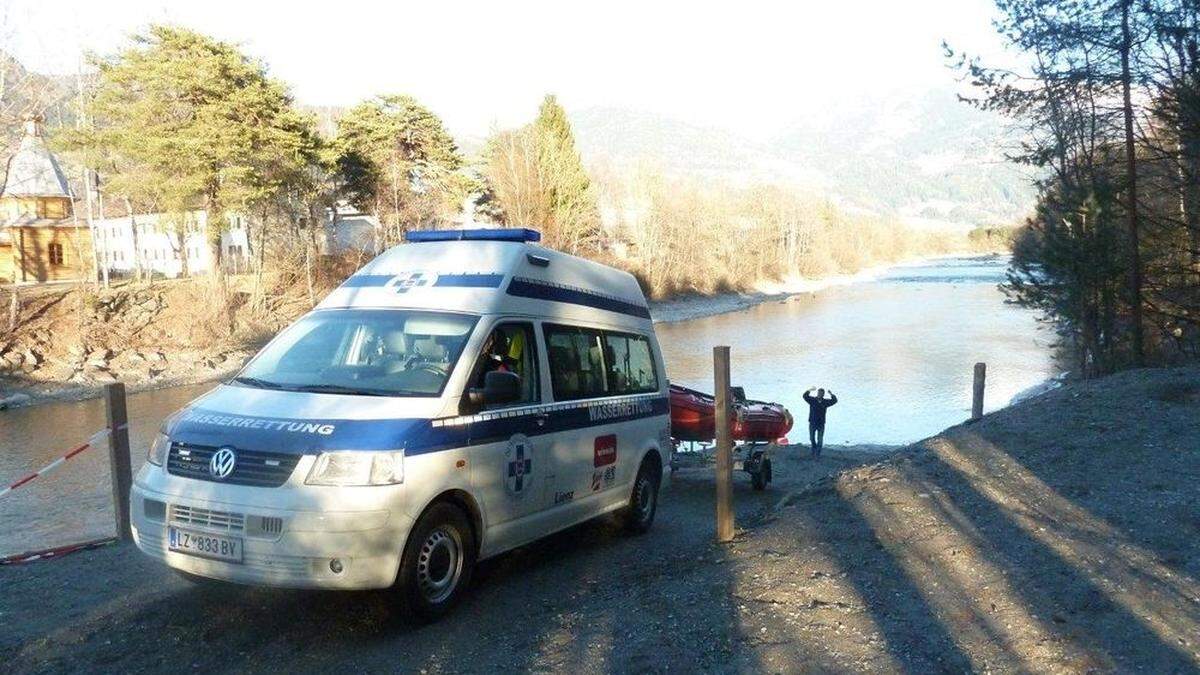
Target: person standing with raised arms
817, 405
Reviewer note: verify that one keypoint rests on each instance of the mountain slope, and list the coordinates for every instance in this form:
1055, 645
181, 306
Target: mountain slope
921, 156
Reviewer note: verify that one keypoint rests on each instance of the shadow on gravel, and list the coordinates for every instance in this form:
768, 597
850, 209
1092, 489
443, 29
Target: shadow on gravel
615, 603
1089, 583
916, 638
970, 561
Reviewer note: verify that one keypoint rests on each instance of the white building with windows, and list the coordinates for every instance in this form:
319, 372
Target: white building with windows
161, 242
348, 230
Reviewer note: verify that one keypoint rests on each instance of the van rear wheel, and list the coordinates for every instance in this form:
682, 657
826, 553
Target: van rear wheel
437, 562
643, 503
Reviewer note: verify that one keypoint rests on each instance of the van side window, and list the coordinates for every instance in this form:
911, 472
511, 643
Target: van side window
576, 363
630, 364
511, 347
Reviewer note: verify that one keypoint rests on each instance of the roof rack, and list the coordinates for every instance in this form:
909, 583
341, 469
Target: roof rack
496, 234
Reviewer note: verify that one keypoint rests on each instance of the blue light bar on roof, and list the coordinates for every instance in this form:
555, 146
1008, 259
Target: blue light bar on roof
502, 234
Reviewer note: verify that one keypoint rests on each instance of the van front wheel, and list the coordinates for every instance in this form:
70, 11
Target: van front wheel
643, 503
437, 562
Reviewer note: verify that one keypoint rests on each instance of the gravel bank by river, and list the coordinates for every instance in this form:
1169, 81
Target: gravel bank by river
695, 307
1059, 534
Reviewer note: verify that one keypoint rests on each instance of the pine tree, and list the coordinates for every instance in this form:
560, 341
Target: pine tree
399, 163
573, 217
180, 121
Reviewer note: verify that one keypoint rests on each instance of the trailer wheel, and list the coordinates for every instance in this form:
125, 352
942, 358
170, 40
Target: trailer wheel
761, 476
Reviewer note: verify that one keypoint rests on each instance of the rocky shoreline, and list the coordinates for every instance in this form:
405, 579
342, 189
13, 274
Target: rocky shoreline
75, 342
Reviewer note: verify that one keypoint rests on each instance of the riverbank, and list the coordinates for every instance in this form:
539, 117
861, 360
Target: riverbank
1057, 535
74, 340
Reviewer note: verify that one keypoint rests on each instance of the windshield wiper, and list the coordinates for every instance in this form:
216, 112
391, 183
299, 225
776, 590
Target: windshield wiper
340, 389
261, 384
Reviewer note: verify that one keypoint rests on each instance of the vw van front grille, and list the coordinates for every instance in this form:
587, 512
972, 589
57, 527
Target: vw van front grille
217, 520
258, 469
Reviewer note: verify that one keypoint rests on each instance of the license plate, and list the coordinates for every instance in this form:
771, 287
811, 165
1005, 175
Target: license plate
204, 545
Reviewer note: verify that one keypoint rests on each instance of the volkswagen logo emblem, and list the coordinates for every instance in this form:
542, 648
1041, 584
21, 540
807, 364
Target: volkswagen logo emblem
222, 463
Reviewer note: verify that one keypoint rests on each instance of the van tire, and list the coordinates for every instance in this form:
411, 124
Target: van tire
643, 501
438, 559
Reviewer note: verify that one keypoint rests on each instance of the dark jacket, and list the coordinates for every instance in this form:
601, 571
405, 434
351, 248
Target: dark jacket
817, 408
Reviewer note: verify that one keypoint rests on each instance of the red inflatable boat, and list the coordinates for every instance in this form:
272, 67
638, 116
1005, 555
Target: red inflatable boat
693, 418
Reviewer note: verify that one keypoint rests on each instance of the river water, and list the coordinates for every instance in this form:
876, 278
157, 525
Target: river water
898, 351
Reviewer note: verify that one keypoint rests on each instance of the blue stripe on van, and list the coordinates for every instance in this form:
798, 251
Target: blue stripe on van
417, 436
470, 280
367, 280
443, 280
539, 290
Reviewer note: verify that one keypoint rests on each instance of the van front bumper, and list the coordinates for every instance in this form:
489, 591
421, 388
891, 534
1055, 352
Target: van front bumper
290, 537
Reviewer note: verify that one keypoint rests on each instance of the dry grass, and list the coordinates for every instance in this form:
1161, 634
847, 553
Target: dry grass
686, 236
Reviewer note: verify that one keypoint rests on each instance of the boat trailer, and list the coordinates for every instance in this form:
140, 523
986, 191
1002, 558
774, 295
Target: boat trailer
753, 457
756, 428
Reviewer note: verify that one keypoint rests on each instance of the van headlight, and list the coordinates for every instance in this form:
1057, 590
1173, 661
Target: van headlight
357, 467
159, 449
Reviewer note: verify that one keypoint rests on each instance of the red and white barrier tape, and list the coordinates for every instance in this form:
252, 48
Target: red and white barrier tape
56, 552
96, 439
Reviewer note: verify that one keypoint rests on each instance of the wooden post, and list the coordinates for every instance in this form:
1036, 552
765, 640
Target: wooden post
724, 445
977, 398
118, 456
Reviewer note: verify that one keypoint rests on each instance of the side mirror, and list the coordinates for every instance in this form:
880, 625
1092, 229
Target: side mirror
499, 387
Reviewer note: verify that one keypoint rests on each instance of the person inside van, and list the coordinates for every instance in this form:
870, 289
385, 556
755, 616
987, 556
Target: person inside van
496, 355
507, 351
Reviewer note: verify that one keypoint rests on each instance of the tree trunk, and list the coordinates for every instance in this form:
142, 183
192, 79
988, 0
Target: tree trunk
14, 310
308, 274
212, 229
258, 255
1135, 267
137, 249
1187, 100
185, 267
99, 267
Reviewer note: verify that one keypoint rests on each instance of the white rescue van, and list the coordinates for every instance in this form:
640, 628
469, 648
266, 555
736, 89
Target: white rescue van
463, 394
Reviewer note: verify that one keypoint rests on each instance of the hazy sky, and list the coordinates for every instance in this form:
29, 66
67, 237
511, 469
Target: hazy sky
751, 67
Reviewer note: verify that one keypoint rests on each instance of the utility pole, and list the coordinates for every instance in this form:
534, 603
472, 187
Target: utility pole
98, 257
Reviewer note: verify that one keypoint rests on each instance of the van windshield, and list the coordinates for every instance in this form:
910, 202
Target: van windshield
364, 352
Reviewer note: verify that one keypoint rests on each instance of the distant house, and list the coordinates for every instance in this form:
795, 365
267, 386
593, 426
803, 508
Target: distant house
44, 238
162, 241
40, 237
347, 229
